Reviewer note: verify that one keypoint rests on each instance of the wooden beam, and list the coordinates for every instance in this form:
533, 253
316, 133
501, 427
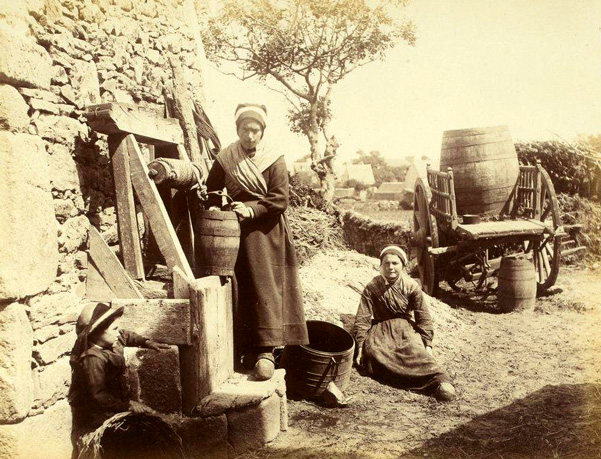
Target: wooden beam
181, 284
209, 361
96, 287
110, 268
129, 235
164, 320
153, 207
148, 127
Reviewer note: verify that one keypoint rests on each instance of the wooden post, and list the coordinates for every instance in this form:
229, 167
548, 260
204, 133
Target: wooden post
180, 106
129, 235
454, 219
153, 207
209, 361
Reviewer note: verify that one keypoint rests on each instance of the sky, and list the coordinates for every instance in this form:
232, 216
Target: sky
534, 65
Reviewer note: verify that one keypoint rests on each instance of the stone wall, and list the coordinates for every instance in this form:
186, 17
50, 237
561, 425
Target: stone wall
57, 57
369, 237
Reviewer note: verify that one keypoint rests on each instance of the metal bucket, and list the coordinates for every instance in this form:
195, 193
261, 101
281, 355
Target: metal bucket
327, 358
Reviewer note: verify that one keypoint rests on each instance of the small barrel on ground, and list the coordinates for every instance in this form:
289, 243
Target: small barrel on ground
517, 284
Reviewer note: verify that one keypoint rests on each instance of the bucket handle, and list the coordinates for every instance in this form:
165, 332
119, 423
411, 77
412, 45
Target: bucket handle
331, 364
223, 194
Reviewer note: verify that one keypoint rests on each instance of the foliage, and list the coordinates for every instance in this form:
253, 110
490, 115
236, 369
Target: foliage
382, 171
305, 47
357, 185
303, 195
571, 168
578, 210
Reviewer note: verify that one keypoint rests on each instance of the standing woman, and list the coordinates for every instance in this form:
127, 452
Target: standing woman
269, 309
396, 346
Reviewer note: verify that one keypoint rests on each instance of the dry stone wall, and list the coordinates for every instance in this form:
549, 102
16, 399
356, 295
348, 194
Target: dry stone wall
56, 58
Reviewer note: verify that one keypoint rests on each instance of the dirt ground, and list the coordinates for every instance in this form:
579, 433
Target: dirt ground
529, 383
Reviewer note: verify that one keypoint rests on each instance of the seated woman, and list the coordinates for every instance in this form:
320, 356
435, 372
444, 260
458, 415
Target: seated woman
393, 347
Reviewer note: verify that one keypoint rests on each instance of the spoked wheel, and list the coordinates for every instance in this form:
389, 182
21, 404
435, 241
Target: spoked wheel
546, 252
425, 234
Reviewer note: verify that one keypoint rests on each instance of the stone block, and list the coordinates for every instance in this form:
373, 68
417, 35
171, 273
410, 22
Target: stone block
155, 379
44, 334
74, 234
50, 309
13, 110
47, 435
254, 425
63, 169
203, 438
64, 208
239, 391
84, 81
14, 17
28, 247
52, 382
51, 350
16, 382
40, 94
61, 129
24, 62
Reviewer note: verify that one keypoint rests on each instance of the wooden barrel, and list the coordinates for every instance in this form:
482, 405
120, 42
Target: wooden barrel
216, 242
327, 358
517, 284
485, 168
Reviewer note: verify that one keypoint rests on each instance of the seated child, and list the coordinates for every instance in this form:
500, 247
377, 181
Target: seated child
98, 384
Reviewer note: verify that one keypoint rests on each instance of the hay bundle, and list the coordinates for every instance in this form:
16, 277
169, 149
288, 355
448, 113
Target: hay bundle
313, 230
132, 436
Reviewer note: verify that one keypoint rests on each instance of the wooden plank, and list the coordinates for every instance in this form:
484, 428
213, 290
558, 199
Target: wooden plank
164, 320
209, 361
153, 207
129, 235
96, 287
181, 284
110, 268
148, 127
179, 104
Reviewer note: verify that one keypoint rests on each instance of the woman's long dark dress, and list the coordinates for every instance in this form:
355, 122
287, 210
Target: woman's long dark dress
393, 343
270, 306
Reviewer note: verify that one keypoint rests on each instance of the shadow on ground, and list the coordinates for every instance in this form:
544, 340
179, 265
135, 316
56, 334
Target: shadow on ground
561, 421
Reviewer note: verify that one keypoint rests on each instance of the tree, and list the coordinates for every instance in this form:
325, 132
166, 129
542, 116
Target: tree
382, 171
305, 47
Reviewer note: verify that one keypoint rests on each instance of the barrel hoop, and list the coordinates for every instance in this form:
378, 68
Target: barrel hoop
219, 231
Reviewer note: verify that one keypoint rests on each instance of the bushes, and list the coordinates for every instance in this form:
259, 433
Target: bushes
571, 168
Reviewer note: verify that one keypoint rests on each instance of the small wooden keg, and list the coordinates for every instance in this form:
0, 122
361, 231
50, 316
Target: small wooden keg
216, 242
517, 284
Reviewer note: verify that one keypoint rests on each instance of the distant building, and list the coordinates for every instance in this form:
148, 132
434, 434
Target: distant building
390, 191
362, 173
417, 169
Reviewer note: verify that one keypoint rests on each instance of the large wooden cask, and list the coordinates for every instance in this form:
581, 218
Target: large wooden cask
485, 167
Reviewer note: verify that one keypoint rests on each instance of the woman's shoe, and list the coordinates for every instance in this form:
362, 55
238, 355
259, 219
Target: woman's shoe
264, 367
445, 392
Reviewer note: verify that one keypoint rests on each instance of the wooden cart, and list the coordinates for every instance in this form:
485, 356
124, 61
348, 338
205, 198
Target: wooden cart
451, 248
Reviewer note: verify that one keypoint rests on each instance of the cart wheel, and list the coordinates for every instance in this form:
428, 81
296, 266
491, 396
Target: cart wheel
425, 234
546, 254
